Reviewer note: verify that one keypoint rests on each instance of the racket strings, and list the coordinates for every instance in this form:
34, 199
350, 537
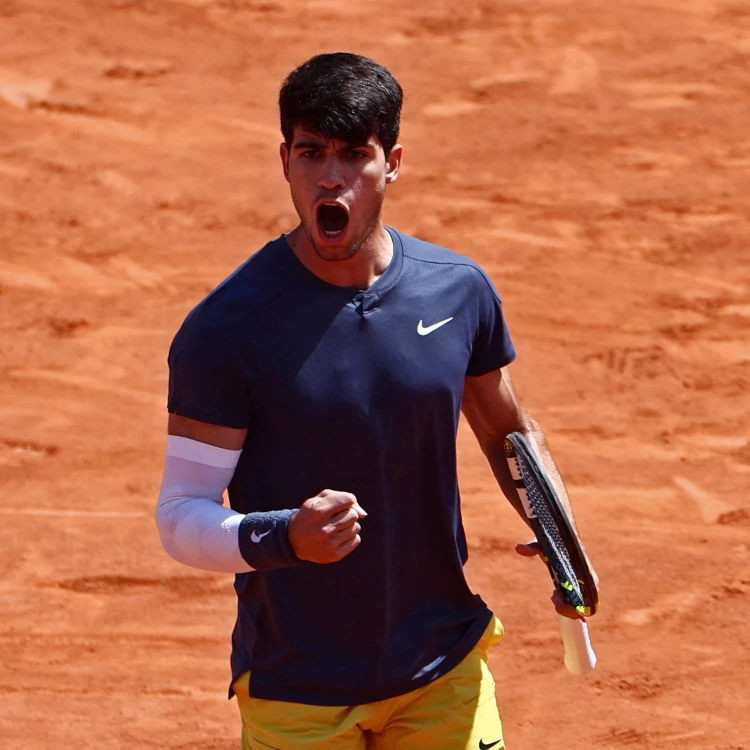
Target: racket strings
550, 540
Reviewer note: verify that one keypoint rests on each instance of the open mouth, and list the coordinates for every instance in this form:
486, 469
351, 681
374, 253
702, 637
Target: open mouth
332, 219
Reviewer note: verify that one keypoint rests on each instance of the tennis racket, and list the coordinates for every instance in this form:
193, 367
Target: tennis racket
560, 547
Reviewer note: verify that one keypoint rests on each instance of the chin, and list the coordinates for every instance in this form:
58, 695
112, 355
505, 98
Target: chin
338, 248
330, 252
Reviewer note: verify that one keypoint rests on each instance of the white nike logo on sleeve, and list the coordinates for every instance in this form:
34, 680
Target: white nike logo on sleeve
422, 331
256, 537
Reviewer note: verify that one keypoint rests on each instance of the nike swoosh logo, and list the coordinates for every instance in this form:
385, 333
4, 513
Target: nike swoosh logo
256, 537
482, 746
422, 331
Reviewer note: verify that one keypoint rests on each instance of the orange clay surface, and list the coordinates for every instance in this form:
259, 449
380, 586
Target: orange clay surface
593, 156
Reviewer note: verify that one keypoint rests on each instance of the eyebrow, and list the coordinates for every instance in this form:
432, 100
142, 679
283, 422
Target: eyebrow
319, 144
307, 144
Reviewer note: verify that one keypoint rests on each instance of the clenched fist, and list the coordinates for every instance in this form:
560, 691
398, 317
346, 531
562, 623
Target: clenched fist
326, 527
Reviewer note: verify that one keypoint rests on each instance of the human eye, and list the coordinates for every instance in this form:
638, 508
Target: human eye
357, 155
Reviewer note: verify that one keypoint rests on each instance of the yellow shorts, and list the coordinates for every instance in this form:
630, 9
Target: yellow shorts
455, 712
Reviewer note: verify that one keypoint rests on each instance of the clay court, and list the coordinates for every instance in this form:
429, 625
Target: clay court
593, 156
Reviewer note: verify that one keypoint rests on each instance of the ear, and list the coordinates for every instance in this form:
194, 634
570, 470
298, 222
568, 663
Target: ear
284, 154
393, 163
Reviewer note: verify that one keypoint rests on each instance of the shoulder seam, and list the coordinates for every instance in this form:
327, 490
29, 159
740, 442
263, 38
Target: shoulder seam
468, 263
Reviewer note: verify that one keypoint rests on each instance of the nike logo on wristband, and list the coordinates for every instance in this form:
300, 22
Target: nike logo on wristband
482, 746
256, 537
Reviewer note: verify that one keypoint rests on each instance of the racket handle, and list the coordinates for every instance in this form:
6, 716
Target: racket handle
579, 654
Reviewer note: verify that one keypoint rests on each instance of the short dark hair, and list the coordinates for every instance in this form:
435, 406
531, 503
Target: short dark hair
342, 96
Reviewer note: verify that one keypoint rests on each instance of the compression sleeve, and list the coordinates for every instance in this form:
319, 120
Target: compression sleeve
195, 527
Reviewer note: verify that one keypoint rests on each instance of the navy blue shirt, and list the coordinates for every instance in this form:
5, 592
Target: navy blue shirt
357, 391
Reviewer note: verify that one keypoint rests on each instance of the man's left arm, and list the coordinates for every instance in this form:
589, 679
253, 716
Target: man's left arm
493, 410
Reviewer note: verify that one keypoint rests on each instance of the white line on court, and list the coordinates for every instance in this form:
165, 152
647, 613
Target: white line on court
71, 513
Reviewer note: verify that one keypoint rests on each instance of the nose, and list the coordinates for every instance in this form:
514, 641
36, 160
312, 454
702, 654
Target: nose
332, 174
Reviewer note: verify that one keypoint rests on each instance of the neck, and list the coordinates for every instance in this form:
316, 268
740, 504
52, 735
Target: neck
360, 271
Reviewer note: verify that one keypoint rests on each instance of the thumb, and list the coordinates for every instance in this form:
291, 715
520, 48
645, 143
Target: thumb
530, 549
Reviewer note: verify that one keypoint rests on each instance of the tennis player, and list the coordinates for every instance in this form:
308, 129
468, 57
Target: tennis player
321, 383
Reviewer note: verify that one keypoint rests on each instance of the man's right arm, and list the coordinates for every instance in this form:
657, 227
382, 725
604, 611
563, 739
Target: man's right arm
227, 438
198, 530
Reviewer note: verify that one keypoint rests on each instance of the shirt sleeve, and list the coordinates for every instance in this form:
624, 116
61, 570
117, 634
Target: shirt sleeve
493, 347
208, 381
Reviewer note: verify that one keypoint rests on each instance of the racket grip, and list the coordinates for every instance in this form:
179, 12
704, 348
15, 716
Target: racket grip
579, 654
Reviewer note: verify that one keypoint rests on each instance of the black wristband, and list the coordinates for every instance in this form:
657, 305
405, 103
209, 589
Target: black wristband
264, 540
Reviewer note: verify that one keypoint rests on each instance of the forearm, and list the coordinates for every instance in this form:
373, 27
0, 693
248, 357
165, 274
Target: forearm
494, 450
201, 533
535, 435
494, 410
197, 530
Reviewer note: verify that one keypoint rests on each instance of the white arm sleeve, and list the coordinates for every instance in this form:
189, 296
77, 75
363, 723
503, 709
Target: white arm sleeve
195, 527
